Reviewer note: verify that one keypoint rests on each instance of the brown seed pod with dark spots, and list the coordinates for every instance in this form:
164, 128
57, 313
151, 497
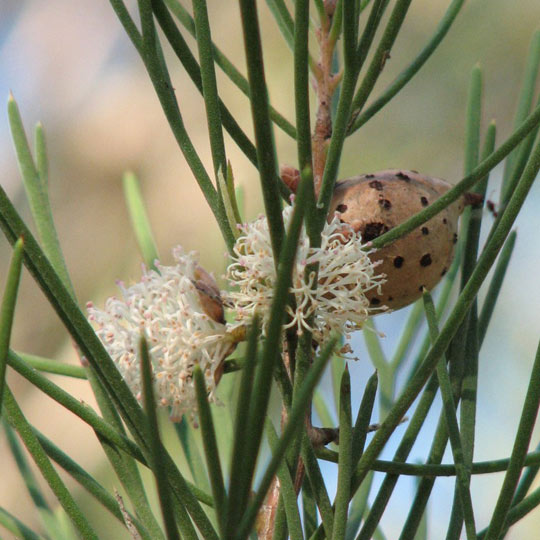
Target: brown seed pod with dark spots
375, 203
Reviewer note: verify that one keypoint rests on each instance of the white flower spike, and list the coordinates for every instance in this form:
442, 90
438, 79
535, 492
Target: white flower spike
183, 327
345, 275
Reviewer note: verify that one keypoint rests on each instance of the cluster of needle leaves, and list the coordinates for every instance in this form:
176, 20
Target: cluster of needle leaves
227, 490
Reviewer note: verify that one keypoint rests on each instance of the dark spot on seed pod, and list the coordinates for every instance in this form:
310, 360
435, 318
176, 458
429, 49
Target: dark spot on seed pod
398, 261
445, 221
425, 230
375, 302
444, 270
373, 230
454, 239
421, 288
413, 171
375, 184
370, 176
424, 201
390, 298
425, 260
402, 176
341, 208
385, 203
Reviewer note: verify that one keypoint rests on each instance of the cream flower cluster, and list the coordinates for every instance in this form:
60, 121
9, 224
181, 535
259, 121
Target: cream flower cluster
166, 307
338, 302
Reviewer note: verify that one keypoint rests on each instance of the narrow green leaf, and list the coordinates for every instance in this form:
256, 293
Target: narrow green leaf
456, 317
407, 337
519, 451
263, 379
345, 463
139, 219
526, 97
209, 84
88, 482
231, 71
16, 526
337, 365
48, 365
383, 50
461, 462
412, 69
309, 510
42, 161
364, 417
88, 415
287, 491
229, 204
41, 505
37, 194
240, 478
294, 424
495, 286
301, 82
7, 310
264, 137
213, 462
19, 422
191, 453
464, 185
283, 20
157, 464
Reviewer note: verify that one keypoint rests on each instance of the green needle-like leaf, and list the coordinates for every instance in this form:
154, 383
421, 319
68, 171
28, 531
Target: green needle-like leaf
7, 310
139, 219
345, 463
463, 476
19, 423
42, 161
526, 97
157, 463
294, 424
16, 526
264, 137
231, 71
37, 191
519, 451
208, 433
479, 172
287, 492
412, 69
240, 480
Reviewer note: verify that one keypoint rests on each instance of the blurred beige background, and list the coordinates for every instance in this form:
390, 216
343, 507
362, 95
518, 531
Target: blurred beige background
70, 66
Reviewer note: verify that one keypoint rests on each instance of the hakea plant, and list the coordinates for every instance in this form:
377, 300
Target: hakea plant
300, 281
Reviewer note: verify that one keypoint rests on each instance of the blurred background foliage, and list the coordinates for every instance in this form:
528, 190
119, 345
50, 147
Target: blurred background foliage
70, 66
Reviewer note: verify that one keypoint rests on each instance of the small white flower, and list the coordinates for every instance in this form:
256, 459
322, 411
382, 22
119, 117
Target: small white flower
166, 308
346, 273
